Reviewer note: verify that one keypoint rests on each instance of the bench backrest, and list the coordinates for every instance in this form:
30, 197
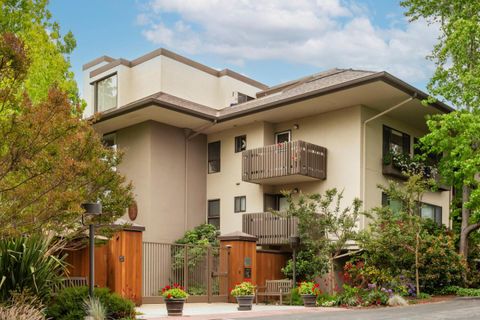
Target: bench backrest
75, 282
277, 285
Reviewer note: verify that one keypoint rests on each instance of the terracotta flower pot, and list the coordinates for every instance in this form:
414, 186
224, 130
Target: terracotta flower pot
309, 300
175, 306
245, 302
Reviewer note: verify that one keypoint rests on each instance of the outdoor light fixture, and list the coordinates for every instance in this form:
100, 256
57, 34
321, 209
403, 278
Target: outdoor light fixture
92, 209
294, 243
296, 126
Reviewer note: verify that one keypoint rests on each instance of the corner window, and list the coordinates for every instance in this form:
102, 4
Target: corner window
214, 212
240, 143
214, 157
430, 211
284, 136
395, 142
240, 204
106, 91
242, 97
425, 210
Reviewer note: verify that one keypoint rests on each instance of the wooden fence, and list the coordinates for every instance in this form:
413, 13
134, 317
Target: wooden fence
118, 264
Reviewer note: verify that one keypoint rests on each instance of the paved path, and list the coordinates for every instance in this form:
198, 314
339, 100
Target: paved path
457, 309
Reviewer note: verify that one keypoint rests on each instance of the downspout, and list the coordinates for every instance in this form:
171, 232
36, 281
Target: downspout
189, 137
364, 146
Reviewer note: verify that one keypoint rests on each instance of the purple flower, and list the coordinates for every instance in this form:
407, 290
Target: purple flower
372, 286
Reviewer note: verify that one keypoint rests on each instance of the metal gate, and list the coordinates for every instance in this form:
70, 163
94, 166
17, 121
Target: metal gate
201, 270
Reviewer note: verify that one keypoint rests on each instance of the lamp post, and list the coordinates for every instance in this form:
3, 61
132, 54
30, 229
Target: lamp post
93, 209
294, 243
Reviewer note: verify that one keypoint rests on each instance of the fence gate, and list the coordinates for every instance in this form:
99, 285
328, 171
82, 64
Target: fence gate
201, 270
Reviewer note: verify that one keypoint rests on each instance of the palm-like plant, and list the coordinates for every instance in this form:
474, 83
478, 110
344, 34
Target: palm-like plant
29, 263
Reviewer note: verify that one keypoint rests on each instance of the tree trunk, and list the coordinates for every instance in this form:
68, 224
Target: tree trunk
463, 250
417, 276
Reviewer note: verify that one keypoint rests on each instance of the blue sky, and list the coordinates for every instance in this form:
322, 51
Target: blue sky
271, 41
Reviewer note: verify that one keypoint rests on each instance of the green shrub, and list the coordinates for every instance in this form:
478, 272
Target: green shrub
295, 298
28, 264
448, 290
375, 297
326, 300
69, 304
423, 295
468, 292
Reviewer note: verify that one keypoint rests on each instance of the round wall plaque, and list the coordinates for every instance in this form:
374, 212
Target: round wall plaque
133, 211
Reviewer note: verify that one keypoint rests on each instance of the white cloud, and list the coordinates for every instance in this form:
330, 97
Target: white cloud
323, 33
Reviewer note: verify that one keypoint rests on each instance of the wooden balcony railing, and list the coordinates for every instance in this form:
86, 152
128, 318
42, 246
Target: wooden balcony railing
269, 228
304, 160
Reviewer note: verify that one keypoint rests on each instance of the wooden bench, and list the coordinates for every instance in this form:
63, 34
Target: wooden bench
74, 282
274, 288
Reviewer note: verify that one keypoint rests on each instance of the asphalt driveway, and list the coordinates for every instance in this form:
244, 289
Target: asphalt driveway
457, 309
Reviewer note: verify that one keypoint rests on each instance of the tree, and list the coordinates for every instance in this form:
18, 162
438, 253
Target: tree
456, 79
47, 49
51, 160
325, 227
402, 243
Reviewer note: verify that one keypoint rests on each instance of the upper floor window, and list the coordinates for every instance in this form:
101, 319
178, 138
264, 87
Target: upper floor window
214, 212
106, 93
395, 141
243, 97
240, 204
284, 136
240, 143
214, 157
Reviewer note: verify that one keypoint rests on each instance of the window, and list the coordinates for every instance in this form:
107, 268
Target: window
395, 141
106, 93
394, 204
425, 210
241, 204
281, 137
244, 98
214, 157
240, 143
110, 141
430, 211
276, 202
214, 212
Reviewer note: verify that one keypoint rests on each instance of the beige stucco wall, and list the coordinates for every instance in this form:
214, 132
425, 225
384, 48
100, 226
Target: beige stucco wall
170, 76
227, 184
155, 162
340, 132
373, 173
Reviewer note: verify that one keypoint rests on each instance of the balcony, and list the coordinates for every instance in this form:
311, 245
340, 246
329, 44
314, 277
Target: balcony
269, 228
395, 166
288, 162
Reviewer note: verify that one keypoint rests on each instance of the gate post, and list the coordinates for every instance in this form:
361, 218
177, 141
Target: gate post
242, 258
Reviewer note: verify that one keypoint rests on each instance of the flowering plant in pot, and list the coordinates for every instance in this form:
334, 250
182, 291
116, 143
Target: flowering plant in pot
309, 292
244, 292
174, 297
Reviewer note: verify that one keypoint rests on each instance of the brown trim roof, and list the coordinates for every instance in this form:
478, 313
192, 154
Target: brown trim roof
172, 55
96, 61
306, 90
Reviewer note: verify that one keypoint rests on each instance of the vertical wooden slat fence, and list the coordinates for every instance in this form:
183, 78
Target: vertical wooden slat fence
199, 269
284, 159
270, 228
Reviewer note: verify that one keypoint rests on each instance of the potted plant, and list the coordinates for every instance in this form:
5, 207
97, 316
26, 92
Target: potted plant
309, 292
174, 297
244, 292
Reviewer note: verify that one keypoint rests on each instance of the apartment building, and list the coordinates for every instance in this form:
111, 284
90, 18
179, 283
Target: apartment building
203, 145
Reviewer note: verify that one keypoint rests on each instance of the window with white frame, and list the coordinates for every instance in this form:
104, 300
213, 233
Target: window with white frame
240, 204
